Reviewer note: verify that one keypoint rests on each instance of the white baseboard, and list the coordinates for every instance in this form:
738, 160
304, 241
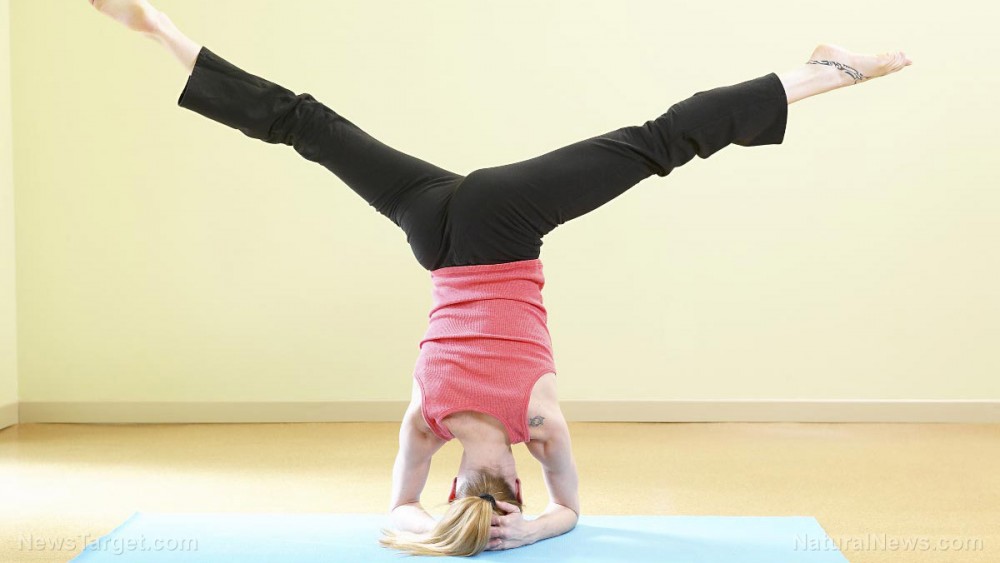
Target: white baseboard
575, 411
195, 412
784, 411
8, 415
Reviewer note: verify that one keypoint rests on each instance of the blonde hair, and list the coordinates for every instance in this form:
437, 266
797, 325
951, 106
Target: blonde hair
464, 529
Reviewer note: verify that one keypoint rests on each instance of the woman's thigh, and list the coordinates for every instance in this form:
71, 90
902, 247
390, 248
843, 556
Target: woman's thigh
500, 214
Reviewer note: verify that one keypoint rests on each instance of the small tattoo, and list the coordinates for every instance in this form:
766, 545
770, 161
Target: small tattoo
852, 72
536, 421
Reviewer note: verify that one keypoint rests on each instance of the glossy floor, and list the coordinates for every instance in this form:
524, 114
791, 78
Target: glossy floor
883, 492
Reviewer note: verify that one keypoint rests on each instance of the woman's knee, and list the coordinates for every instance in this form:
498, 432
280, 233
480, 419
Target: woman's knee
298, 117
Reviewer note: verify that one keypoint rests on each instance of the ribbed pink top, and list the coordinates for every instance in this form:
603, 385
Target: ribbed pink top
486, 346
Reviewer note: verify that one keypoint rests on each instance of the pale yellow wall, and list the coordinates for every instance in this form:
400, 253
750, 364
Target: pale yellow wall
8, 310
166, 257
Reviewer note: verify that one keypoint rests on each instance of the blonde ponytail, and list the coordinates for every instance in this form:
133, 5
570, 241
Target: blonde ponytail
464, 530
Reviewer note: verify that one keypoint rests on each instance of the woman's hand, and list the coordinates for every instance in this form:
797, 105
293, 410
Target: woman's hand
510, 530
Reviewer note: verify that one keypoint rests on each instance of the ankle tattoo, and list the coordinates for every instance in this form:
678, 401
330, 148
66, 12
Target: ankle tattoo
852, 72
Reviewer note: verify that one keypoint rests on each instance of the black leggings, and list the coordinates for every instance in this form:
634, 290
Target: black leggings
497, 214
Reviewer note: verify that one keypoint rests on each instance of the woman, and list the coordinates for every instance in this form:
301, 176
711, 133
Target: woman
485, 373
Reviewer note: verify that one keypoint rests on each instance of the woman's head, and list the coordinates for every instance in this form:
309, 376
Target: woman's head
465, 528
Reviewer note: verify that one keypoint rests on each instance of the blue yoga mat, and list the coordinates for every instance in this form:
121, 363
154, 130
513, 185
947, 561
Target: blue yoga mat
249, 538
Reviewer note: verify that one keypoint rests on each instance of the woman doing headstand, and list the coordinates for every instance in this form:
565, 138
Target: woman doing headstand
485, 373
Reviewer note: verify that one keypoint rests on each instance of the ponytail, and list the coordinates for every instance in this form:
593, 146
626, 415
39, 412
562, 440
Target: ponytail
464, 530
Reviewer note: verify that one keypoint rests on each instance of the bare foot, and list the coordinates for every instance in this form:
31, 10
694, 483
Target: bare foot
856, 67
137, 15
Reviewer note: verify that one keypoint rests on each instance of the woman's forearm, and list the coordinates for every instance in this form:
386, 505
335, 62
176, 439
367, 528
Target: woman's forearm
411, 518
555, 521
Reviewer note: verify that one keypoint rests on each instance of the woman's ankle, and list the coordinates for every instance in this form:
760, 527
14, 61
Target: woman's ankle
182, 47
810, 80
159, 25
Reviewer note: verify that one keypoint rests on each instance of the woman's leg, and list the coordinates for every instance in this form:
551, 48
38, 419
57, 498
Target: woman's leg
140, 16
409, 191
500, 214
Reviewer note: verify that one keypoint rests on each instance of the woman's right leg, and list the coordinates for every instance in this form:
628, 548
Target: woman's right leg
412, 193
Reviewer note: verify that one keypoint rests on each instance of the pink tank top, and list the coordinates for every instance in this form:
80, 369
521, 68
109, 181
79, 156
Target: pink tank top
486, 345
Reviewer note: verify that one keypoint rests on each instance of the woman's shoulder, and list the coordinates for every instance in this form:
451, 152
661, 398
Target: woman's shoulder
414, 416
545, 417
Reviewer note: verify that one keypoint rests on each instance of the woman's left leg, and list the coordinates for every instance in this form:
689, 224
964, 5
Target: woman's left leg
500, 214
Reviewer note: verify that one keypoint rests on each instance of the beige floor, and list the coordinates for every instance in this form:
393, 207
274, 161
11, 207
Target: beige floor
869, 485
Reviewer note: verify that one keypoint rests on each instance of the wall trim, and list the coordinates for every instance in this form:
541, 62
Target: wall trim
207, 411
8, 415
575, 411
